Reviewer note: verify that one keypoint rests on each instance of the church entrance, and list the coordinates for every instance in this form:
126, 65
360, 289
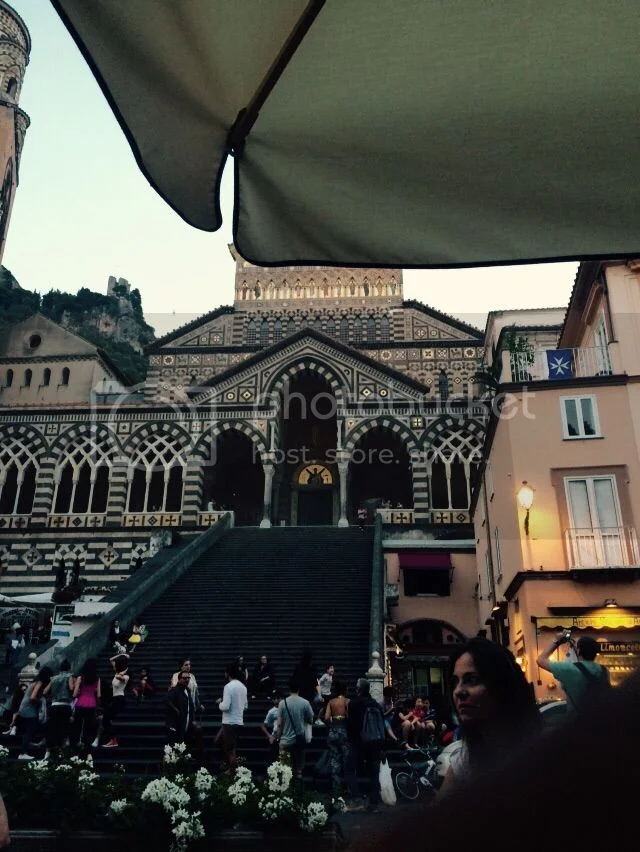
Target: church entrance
314, 497
306, 484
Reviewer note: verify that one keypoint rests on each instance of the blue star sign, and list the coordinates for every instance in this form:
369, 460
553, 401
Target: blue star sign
560, 363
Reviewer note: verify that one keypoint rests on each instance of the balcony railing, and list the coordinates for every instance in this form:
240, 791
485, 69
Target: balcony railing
567, 364
397, 516
151, 519
607, 547
76, 521
208, 519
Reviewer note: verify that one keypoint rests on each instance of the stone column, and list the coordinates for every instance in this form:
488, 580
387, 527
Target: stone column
420, 490
269, 469
118, 485
43, 496
193, 491
375, 676
343, 470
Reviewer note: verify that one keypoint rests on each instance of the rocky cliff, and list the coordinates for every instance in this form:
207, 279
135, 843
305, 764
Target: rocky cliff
114, 322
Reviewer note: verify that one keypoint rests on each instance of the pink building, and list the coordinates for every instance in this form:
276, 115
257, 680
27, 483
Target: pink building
556, 511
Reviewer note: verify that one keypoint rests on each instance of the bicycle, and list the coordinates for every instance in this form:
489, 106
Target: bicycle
421, 775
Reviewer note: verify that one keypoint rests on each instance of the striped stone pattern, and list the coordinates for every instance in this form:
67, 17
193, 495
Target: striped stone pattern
193, 492
118, 487
421, 492
45, 485
391, 423
312, 366
203, 448
397, 324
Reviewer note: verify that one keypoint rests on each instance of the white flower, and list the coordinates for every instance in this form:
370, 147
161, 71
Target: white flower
82, 761
279, 777
64, 767
175, 753
313, 817
38, 766
163, 792
203, 783
4, 753
272, 807
87, 779
118, 806
187, 827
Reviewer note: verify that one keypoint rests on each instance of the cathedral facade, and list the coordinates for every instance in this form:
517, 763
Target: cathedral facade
319, 393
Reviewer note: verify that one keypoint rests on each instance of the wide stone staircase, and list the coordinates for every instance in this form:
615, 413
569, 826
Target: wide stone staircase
257, 591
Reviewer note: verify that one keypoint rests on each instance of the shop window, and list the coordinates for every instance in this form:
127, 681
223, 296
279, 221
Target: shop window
579, 417
434, 583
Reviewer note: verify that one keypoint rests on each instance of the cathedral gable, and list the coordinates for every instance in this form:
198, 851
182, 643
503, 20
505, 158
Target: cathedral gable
351, 376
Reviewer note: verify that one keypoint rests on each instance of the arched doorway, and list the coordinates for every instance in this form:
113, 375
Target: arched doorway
315, 500
235, 479
306, 491
379, 472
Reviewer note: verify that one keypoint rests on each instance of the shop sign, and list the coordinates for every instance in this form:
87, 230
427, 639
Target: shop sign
586, 622
607, 647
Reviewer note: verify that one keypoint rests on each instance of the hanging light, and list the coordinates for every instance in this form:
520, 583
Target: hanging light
525, 500
611, 603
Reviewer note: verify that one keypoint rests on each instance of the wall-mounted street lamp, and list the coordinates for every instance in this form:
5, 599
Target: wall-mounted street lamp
525, 500
611, 603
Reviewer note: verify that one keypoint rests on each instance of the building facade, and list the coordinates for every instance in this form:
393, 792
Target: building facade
304, 401
556, 510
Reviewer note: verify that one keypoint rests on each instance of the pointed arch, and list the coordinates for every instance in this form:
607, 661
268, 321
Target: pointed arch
84, 458
203, 449
338, 383
452, 458
157, 470
384, 422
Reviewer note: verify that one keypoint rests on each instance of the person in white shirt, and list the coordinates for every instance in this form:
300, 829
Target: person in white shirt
233, 704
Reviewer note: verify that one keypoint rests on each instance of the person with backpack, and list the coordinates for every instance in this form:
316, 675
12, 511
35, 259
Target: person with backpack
366, 732
583, 682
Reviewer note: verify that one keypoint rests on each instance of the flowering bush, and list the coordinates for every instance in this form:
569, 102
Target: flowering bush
168, 812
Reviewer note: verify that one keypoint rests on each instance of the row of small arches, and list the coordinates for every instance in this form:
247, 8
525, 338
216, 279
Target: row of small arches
65, 376
363, 328
311, 290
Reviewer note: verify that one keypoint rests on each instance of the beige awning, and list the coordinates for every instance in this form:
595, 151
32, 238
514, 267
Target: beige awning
588, 622
399, 132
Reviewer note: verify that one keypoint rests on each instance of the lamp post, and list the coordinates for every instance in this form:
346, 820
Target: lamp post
525, 500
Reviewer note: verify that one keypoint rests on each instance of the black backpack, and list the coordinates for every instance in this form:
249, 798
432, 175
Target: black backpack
372, 731
597, 685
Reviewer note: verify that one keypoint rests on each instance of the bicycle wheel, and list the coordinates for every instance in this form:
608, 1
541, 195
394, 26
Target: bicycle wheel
407, 785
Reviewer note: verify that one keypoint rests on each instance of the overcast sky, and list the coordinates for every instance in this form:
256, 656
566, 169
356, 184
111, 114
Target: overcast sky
83, 211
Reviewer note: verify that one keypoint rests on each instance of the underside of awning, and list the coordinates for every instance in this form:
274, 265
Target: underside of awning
425, 561
419, 133
589, 622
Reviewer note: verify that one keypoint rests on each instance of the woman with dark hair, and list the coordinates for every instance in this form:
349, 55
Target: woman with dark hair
495, 707
32, 711
336, 714
88, 696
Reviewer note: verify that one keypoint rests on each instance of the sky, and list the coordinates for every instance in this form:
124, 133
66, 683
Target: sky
84, 211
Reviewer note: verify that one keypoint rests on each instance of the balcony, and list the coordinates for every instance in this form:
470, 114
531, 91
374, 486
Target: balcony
607, 547
567, 364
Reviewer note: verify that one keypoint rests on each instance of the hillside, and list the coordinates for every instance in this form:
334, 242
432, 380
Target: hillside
115, 323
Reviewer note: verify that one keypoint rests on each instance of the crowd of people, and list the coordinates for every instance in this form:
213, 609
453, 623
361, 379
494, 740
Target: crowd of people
494, 712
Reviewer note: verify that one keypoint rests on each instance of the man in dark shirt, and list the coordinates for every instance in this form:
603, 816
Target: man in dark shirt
366, 755
180, 711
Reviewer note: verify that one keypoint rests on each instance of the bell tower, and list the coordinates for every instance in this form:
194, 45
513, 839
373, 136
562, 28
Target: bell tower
15, 47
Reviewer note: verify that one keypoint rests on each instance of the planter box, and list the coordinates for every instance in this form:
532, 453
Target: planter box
241, 840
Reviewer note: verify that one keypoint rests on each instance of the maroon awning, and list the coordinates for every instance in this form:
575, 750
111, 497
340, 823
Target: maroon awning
423, 560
